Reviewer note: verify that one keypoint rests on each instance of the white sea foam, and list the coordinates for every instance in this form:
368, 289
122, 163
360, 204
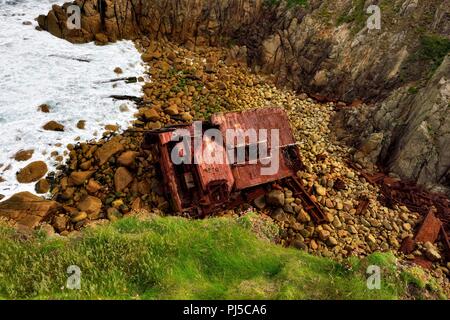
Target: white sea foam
37, 68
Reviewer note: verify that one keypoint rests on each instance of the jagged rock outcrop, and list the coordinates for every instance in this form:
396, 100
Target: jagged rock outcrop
415, 130
28, 209
323, 48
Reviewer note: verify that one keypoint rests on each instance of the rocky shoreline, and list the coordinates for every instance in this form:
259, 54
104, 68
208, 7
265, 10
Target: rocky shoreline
112, 177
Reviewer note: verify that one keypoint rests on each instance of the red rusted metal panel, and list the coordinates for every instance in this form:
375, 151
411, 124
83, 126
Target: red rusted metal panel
429, 230
263, 121
208, 171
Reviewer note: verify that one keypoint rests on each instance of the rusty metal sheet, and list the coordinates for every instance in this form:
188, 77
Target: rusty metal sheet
249, 175
429, 230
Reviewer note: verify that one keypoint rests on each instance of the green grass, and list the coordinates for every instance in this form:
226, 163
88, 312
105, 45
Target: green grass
433, 48
174, 258
357, 15
290, 3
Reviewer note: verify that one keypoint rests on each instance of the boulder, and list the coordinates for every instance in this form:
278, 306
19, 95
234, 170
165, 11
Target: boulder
42, 186
60, 223
92, 206
127, 158
275, 198
44, 108
122, 178
93, 186
27, 209
53, 126
32, 172
151, 115
172, 110
80, 177
110, 148
23, 155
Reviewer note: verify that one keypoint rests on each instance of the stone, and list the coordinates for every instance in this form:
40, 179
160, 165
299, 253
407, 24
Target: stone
113, 214
118, 70
23, 155
110, 148
151, 115
81, 124
127, 158
321, 191
79, 216
60, 223
32, 172
433, 254
93, 186
275, 198
299, 245
27, 209
80, 177
332, 242
44, 108
47, 230
117, 203
91, 205
42, 186
172, 110
187, 117
101, 38
260, 202
303, 216
323, 234
53, 126
122, 178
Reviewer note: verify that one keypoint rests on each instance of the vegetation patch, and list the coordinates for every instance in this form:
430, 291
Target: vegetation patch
433, 48
174, 258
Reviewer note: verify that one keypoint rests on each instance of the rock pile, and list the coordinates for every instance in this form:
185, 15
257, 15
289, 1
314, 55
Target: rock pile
113, 176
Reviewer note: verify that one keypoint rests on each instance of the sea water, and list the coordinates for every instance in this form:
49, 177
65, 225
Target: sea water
37, 68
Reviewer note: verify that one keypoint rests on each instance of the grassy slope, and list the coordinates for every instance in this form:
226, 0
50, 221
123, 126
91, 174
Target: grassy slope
172, 258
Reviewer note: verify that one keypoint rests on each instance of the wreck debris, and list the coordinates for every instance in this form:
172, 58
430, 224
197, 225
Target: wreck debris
199, 188
434, 207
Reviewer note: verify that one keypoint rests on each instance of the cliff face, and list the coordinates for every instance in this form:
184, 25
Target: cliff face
322, 48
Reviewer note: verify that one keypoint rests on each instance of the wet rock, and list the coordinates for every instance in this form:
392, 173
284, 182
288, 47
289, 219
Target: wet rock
27, 209
113, 214
23, 155
44, 108
32, 172
42, 186
53, 126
